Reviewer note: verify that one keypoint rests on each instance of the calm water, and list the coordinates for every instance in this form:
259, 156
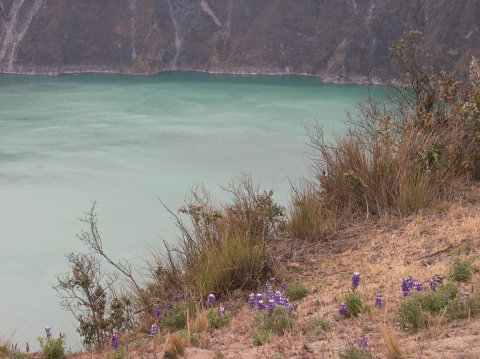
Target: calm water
125, 142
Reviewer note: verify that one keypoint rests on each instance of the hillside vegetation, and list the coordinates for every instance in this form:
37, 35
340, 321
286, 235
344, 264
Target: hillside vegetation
376, 257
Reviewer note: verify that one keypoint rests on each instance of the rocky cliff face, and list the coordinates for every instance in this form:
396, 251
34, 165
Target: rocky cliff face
338, 40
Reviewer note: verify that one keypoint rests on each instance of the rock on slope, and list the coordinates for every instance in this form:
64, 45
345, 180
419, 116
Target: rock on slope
338, 40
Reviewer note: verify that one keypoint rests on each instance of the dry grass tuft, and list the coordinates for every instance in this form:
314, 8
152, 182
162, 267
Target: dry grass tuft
394, 349
200, 323
174, 346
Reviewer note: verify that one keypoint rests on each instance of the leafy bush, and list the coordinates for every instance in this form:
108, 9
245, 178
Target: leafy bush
175, 318
277, 322
352, 352
400, 154
52, 348
260, 337
355, 305
223, 247
296, 291
316, 327
461, 269
413, 313
216, 320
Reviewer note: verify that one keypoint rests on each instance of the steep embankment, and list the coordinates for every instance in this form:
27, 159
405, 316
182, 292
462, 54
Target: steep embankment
340, 41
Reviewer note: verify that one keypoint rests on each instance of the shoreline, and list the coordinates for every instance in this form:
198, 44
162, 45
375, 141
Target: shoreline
324, 77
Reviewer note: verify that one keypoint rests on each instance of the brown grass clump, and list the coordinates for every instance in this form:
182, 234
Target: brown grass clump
174, 346
200, 323
393, 347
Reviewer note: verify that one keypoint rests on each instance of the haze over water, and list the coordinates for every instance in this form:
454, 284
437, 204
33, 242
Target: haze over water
125, 142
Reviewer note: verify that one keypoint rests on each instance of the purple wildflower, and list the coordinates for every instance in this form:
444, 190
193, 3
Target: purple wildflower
158, 311
362, 341
154, 329
48, 331
433, 284
464, 293
259, 296
270, 306
418, 286
260, 305
355, 280
251, 300
114, 341
221, 312
342, 309
283, 286
211, 298
379, 300
407, 284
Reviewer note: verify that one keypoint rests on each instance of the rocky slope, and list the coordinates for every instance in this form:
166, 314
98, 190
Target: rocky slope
338, 40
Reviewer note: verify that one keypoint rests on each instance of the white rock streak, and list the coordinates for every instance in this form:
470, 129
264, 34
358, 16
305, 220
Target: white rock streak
14, 29
133, 25
178, 41
206, 9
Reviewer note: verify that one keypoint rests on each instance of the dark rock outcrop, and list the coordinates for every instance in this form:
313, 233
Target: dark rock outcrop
338, 40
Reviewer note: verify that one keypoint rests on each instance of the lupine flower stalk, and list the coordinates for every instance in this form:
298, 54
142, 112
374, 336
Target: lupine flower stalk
114, 341
355, 280
48, 331
379, 300
362, 341
154, 329
433, 284
211, 298
407, 285
342, 309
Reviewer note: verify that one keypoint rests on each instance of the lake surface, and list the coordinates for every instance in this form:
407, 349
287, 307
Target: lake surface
126, 142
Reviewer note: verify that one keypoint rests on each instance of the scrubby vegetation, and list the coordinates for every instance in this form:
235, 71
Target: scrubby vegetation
414, 151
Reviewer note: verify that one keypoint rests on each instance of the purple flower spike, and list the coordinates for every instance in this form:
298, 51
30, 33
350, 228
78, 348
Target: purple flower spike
158, 311
433, 284
379, 300
342, 309
48, 331
211, 298
418, 286
464, 293
270, 306
154, 329
114, 341
355, 280
259, 296
260, 305
221, 312
251, 300
283, 286
407, 285
362, 341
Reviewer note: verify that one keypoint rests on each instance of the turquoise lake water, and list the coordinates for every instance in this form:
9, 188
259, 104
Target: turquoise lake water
127, 142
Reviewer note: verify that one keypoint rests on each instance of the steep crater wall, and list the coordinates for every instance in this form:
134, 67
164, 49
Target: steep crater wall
338, 40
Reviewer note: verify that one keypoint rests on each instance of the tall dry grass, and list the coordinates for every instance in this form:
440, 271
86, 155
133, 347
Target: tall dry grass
398, 156
222, 247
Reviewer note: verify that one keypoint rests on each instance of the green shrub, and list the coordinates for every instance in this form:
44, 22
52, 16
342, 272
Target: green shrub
174, 318
260, 337
352, 352
296, 291
413, 312
355, 304
278, 322
316, 327
217, 321
461, 270
119, 353
52, 348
